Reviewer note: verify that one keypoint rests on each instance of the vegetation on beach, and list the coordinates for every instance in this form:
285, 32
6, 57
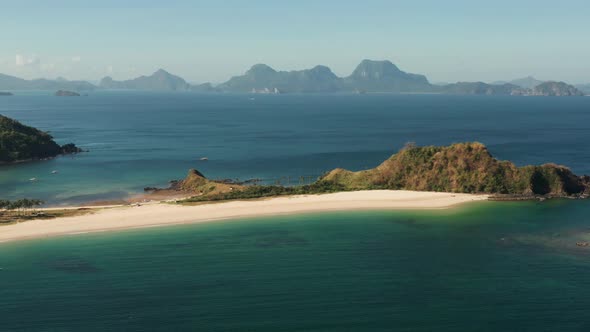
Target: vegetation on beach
26, 209
258, 191
22, 208
19, 142
459, 168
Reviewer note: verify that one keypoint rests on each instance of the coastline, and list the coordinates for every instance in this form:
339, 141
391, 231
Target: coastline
164, 214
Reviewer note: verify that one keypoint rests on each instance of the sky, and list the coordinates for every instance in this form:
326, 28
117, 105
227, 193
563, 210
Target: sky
210, 41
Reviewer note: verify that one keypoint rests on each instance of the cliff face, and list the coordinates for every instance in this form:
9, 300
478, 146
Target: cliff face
465, 168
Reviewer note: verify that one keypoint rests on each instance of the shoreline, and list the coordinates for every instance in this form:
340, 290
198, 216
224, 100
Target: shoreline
165, 214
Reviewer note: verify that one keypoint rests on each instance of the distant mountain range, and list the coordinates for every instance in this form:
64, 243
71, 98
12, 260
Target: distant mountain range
528, 82
161, 80
14, 83
368, 77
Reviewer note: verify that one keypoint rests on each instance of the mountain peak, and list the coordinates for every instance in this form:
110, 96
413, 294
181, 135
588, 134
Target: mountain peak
160, 80
372, 69
384, 76
323, 71
161, 72
261, 68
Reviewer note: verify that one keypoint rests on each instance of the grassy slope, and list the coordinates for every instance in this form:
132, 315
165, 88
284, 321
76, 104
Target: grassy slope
462, 167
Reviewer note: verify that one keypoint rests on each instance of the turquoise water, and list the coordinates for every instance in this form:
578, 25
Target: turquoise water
482, 267
138, 140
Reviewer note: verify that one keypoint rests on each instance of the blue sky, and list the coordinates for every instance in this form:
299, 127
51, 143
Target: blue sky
214, 40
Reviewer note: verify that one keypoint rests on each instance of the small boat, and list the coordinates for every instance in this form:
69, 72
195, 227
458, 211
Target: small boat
33, 179
54, 172
204, 159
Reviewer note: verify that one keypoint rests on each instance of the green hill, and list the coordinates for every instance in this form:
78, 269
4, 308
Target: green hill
462, 168
19, 143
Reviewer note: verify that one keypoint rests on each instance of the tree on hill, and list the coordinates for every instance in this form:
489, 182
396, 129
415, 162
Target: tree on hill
21, 142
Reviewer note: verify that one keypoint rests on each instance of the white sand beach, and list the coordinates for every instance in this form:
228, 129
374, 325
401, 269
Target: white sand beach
162, 214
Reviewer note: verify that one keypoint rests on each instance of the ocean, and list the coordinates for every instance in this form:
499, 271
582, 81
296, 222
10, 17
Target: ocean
490, 266
138, 140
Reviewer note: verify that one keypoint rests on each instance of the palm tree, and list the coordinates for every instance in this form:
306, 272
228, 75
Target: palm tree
35, 203
15, 205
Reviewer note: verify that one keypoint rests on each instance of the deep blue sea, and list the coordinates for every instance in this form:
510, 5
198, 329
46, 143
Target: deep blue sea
145, 139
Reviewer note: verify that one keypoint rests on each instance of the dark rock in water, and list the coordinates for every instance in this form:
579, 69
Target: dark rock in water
5, 94
70, 148
65, 93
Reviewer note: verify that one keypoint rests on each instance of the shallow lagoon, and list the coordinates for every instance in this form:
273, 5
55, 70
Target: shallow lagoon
510, 266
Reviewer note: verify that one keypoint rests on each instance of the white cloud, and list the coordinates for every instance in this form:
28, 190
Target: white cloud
110, 69
76, 58
23, 60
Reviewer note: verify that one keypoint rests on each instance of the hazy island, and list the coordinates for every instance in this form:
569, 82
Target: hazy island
5, 93
23, 143
8, 82
65, 93
369, 76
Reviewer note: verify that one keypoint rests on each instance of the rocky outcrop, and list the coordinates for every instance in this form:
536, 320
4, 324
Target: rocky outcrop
196, 183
